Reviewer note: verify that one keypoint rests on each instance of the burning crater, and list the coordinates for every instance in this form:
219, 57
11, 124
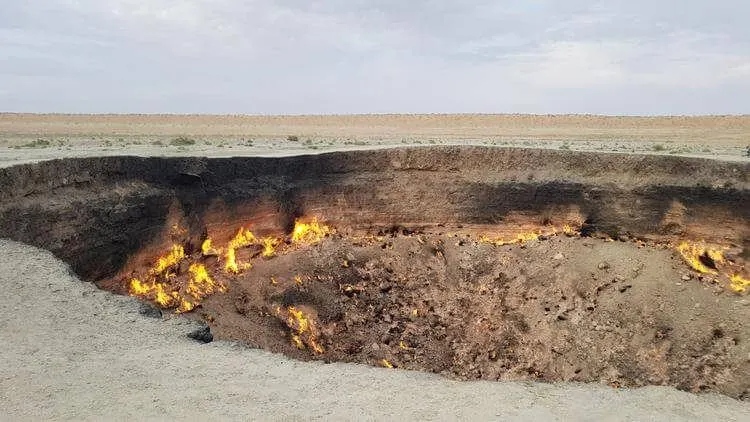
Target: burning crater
475, 263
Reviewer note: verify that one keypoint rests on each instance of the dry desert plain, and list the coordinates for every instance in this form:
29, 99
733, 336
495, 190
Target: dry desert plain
30, 136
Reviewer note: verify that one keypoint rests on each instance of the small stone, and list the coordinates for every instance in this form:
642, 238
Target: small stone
202, 334
686, 277
603, 265
149, 310
375, 347
678, 283
558, 257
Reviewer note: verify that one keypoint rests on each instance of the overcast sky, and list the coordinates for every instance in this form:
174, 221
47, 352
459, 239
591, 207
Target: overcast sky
359, 56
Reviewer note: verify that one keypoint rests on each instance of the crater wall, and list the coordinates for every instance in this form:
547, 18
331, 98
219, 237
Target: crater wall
95, 213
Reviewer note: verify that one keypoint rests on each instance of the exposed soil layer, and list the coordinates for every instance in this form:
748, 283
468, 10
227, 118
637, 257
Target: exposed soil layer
427, 294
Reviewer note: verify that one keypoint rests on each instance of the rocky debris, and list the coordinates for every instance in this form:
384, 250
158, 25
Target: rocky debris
493, 313
202, 335
148, 310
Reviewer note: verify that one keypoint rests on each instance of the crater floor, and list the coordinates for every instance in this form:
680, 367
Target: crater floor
563, 308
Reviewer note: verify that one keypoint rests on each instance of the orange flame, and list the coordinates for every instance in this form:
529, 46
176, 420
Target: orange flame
309, 233
243, 239
162, 283
201, 284
269, 246
738, 283
305, 333
523, 237
163, 287
207, 248
155, 291
697, 255
176, 255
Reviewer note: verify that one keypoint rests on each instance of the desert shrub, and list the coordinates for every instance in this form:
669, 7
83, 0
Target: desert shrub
182, 141
658, 147
39, 143
292, 138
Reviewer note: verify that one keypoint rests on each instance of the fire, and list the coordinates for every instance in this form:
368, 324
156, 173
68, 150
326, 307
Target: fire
305, 333
207, 248
700, 258
243, 239
269, 246
167, 287
309, 233
201, 284
163, 287
523, 237
711, 260
738, 283
570, 231
176, 255
158, 292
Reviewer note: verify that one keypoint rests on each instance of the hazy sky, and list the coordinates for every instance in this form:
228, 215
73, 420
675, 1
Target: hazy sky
358, 56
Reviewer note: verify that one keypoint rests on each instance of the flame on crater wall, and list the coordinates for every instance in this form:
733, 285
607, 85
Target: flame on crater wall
310, 232
304, 332
700, 257
739, 284
168, 286
531, 235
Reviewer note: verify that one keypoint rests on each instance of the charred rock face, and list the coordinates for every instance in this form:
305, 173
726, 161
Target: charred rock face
94, 213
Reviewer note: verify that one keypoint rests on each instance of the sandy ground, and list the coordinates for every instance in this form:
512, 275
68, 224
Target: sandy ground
71, 351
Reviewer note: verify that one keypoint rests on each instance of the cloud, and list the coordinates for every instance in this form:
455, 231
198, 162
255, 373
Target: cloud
351, 56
